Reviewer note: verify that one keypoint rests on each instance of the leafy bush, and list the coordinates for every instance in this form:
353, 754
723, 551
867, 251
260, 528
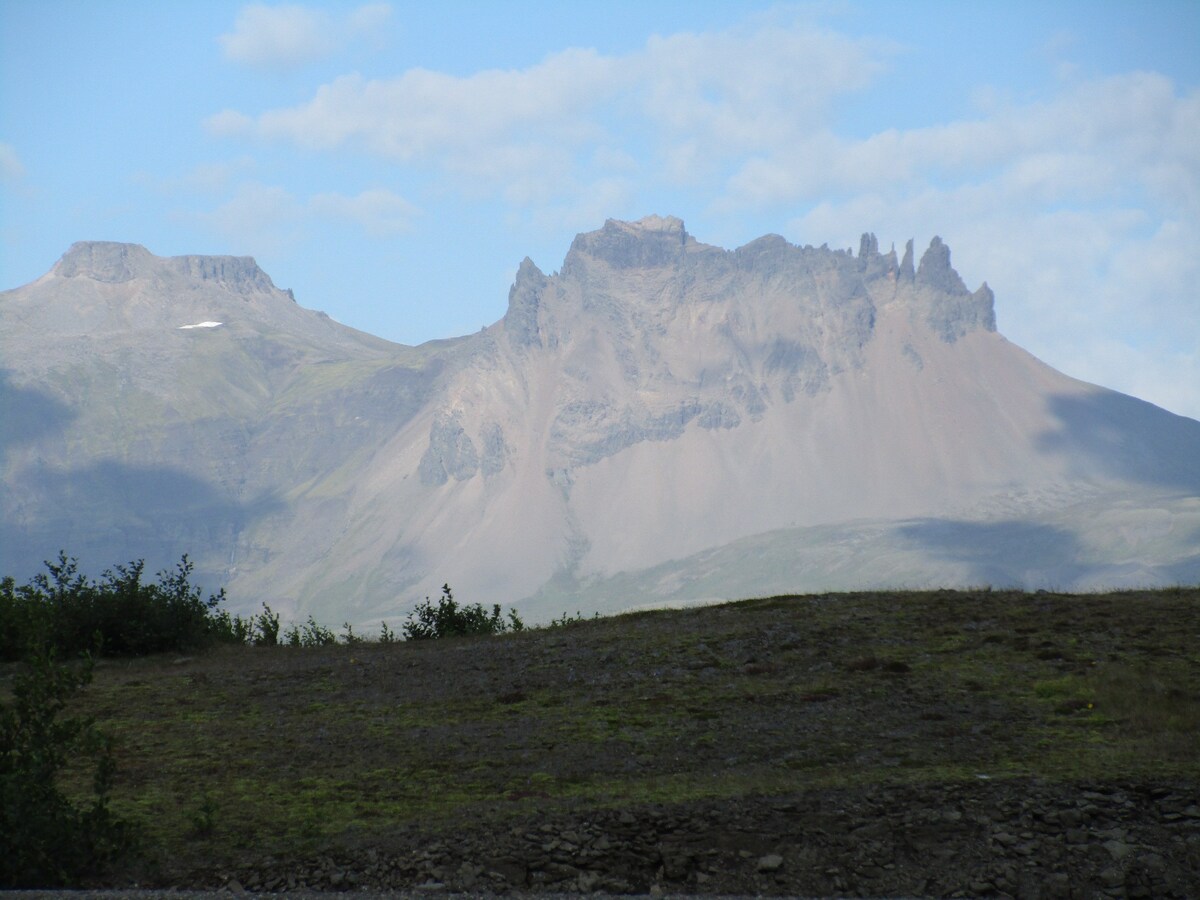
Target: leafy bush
47, 840
118, 615
264, 628
450, 619
310, 634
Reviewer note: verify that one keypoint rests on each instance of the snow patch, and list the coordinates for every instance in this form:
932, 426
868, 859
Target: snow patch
201, 325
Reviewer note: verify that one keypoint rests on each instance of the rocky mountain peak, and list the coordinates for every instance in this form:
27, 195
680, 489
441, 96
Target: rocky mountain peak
952, 310
112, 262
907, 271
107, 261
871, 262
651, 242
524, 299
935, 269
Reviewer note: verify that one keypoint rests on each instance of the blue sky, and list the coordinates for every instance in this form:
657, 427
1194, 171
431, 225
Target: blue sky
392, 163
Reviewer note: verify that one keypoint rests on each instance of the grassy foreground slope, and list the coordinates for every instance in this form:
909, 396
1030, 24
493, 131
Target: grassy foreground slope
344, 765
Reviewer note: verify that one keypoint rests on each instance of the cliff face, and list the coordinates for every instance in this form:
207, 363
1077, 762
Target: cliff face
659, 419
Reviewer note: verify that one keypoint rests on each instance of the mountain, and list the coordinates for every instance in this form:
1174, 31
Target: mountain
659, 421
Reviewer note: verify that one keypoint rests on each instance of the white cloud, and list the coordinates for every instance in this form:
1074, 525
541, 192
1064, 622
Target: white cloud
291, 35
229, 123
205, 178
692, 98
264, 217
257, 218
378, 212
11, 168
1093, 139
367, 20
740, 90
424, 114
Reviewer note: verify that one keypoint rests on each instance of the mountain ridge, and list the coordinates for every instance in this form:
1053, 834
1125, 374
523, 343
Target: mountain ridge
114, 263
654, 399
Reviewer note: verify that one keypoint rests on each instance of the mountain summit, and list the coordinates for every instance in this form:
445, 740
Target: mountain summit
115, 263
661, 420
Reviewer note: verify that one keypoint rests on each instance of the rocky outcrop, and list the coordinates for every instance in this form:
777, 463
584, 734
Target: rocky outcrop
651, 242
951, 310
115, 263
524, 301
495, 450
907, 272
451, 453
105, 261
240, 274
935, 270
952, 316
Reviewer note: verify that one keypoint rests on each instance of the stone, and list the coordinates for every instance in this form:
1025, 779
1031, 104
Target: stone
587, 882
1111, 877
1118, 850
770, 863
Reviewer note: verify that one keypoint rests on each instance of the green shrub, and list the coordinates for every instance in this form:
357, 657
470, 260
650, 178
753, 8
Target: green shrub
118, 615
264, 628
45, 839
310, 634
450, 619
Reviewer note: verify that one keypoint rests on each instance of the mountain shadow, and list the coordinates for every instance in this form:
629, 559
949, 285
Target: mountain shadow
1126, 438
103, 513
28, 414
1003, 554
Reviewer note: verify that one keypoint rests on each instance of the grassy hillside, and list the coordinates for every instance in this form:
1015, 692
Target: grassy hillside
344, 765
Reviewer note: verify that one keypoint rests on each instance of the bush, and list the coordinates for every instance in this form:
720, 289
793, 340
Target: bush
449, 619
45, 839
263, 630
118, 615
310, 634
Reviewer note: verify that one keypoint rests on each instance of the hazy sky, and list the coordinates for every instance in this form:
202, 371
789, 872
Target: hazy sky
392, 163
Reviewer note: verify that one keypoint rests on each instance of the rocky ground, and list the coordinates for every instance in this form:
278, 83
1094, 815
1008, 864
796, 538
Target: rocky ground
1023, 838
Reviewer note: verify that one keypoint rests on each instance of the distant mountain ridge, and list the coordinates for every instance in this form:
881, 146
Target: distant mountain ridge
659, 421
